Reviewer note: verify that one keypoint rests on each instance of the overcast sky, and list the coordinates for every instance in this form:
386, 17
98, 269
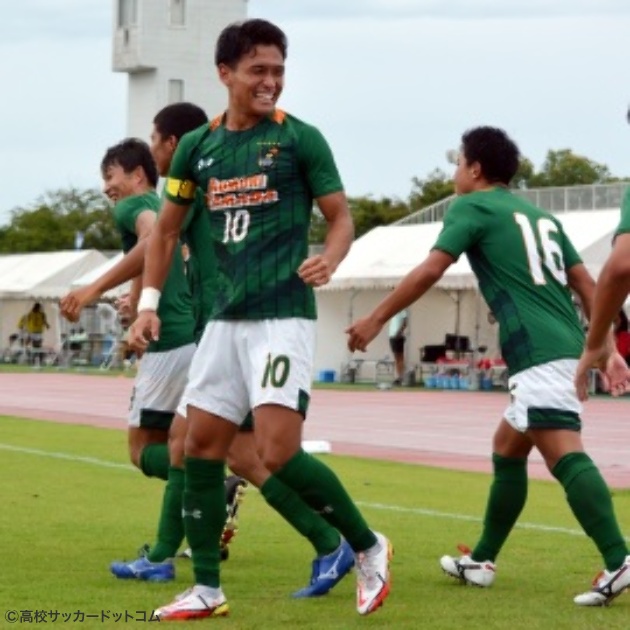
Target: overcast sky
391, 83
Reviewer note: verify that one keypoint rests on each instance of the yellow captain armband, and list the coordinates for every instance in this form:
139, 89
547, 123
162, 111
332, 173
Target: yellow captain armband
181, 188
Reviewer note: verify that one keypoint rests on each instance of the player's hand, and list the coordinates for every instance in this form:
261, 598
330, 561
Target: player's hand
361, 333
145, 329
72, 304
315, 271
616, 375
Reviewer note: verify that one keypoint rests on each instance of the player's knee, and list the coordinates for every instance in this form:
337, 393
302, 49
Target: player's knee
135, 455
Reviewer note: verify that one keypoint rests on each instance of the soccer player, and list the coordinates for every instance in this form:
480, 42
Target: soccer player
525, 265
613, 286
260, 170
169, 125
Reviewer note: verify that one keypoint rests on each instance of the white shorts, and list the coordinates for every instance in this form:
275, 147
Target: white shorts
158, 387
544, 397
240, 365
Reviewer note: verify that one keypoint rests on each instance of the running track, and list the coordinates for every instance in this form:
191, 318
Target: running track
445, 429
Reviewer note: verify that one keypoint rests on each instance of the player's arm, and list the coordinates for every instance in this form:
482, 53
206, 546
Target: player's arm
322, 176
129, 267
611, 291
462, 228
411, 288
317, 270
607, 299
179, 193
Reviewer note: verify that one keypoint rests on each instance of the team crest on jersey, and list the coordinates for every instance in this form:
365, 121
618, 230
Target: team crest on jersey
268, 154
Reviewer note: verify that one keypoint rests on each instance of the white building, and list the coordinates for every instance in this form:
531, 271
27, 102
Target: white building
167, 49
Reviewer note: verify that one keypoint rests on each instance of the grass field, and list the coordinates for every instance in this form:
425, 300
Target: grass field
71, 504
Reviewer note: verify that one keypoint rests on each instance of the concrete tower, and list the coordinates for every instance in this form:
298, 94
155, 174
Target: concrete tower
167, 49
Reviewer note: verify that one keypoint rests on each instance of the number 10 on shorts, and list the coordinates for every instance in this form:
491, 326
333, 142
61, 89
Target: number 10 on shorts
276, 371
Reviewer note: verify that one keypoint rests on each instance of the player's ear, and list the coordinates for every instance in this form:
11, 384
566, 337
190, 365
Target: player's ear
224, 71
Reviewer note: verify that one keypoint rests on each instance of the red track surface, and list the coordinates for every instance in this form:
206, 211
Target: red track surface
445, 429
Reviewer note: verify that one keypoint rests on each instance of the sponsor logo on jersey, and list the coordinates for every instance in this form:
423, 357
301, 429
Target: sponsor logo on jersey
240, 192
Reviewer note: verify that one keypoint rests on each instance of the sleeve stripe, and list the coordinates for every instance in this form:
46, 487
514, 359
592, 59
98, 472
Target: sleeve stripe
182, 189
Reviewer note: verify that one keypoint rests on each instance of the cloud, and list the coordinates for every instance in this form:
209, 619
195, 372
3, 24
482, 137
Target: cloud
451, 9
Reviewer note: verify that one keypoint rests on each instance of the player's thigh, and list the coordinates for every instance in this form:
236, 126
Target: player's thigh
509, 442
279, 359
543, 397
216, 381
159, 386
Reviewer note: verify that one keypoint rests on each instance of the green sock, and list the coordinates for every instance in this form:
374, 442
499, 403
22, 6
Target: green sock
171, 528
508, 494
204, 516
155, 461
319, 487
590, 500
300, 516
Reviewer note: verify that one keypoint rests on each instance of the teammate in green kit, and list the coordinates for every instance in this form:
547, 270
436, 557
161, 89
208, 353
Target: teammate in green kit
525, 266
613, 286
170, 124
260, 170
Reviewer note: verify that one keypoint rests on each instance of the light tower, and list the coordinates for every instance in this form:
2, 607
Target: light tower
167, 49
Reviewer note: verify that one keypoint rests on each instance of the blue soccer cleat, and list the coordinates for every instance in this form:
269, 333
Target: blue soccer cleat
142, 569
328, 571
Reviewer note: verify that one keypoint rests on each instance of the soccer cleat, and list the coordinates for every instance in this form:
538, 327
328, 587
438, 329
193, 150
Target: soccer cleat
328, 571
142, 569
468, 570
234, 493
197, 602
373, 578
606, 586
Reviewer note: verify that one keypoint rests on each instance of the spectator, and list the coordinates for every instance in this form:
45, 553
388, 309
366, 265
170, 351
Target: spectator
397, 328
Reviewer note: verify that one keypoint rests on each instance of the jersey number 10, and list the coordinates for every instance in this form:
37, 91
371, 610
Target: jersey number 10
551, 257
236, 226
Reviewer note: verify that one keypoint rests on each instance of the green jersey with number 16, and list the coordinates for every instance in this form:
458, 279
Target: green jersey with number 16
520, 255
260, 184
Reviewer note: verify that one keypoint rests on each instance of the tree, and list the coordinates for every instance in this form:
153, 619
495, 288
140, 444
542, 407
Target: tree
435, 187
369, 213
51, 223
565, 168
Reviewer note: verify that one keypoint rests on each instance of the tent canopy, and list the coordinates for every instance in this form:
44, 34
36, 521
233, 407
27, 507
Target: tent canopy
97, 272
383, 256
44, 276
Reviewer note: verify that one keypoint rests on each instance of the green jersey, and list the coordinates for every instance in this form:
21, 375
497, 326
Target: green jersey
175, 308
520, 255
624, 223
259, 187
202, 265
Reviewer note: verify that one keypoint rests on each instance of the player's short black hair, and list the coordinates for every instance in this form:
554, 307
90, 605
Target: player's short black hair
178, 119
129, 154
495, 151
240, 38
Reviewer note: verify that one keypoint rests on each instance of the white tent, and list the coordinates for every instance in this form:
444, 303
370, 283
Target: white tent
43, 277
381, 258
92, 275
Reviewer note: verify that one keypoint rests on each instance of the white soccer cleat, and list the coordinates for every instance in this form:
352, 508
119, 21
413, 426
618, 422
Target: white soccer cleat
197, 602
606, 586
373, 578
468, 570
